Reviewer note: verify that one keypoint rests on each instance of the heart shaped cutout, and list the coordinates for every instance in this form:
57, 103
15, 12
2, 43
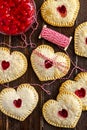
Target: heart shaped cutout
81, 93
12, 65
62, 10
49, 65
5, 65
80, 39
16, 16
78, 87
62, 113
60, 13
18, 104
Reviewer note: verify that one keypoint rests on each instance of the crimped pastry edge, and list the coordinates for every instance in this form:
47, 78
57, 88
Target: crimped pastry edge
46, 104
26, 85
55, 76
67, 24
23, 70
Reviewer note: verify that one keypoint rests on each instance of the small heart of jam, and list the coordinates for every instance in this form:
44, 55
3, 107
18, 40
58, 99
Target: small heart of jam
5, 65
81, 93
62, 10
17, 103
48, 64
63, 113
86, 40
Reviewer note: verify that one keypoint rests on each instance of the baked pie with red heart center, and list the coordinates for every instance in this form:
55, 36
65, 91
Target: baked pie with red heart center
12, 65
18, 104
60, 12
65, 112
80, 39
78, 87
49, 65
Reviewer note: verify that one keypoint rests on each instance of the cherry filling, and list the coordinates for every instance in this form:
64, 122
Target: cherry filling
17, 103
63, 113
86, 40
81, 93
48, 64
5, 65
16, 16
62, 10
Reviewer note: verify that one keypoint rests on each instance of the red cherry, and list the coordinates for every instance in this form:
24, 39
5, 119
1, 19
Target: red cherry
48, 64
17, 103
81, 93
62, 10
5, 65
16, 16
63, 113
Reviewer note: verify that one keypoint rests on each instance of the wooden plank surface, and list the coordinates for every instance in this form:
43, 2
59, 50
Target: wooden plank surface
35, 121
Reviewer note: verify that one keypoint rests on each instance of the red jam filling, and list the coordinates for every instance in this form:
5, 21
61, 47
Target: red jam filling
86, 40
63, 113
5, 65
48, 64
62, 10
81, 93
16, 16
17, 103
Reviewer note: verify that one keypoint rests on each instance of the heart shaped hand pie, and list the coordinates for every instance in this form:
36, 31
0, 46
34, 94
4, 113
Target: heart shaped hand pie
12, 66
65, 112
81, 40
16, 16
79, 87
60, 12
49, 65
18, 104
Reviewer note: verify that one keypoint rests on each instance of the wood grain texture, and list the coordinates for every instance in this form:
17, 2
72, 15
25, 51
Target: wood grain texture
35, 121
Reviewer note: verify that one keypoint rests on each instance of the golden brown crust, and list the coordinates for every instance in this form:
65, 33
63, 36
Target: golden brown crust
80, 48
14, 53
54, 105
80, 81
12, 113
56, 73
45, 12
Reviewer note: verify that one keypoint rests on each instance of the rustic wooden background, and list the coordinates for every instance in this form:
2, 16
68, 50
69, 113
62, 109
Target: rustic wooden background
35, 121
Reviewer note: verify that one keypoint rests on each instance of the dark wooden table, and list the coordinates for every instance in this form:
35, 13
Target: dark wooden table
35, 121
